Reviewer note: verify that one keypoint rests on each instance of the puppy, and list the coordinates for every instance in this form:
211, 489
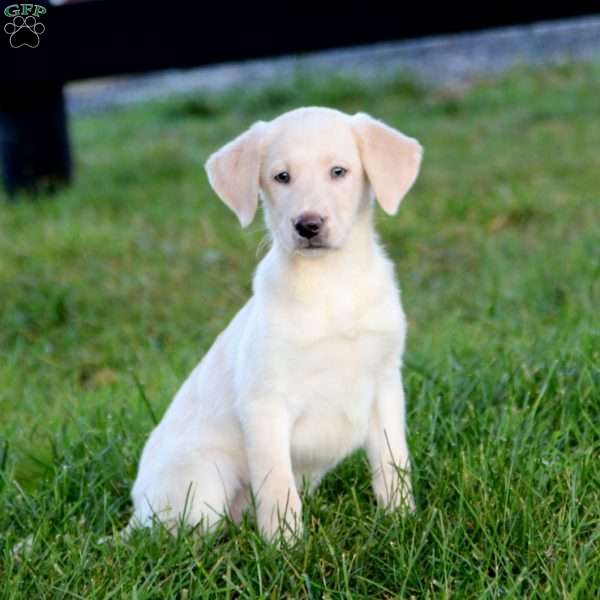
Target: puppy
309, 369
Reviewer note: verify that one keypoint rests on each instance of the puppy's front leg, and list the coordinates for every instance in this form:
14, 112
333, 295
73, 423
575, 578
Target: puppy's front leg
386, 445
267, 431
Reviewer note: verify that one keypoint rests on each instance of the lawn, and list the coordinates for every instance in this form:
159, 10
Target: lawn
112, 290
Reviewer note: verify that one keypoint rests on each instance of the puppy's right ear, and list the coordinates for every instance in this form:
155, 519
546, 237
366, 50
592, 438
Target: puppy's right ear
234, 171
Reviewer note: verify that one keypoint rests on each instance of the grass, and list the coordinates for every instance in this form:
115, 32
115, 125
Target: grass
112, 290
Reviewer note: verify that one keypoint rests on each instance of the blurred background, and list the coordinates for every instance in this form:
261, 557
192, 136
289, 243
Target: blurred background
119, 266
49, 46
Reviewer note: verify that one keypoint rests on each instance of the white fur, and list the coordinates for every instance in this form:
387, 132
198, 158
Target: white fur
309, 369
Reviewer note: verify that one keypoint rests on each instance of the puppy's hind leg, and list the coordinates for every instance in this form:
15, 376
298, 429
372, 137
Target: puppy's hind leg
193, 492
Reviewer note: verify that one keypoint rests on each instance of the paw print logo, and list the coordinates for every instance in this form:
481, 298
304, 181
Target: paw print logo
24, 31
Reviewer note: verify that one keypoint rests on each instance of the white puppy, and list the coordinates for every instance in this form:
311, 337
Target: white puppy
309, 369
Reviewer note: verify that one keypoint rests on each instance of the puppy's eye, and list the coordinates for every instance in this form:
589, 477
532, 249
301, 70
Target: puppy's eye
337, 172
283, 177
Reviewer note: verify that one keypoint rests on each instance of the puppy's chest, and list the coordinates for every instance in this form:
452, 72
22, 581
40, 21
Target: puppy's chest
343, 321
332, 401
327, 363
335, 357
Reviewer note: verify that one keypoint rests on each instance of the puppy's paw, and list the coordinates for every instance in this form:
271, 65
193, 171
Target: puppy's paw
396, 495
281, 520
404, 501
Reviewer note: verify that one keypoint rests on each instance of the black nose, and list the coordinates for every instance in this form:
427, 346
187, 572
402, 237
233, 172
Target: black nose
308, 225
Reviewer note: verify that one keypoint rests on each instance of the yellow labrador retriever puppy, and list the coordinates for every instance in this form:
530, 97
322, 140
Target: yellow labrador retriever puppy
309, 369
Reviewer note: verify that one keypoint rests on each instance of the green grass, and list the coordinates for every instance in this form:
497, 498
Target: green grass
112, 290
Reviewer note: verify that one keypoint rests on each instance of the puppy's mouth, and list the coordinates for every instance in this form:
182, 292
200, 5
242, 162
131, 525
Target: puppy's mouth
312, 244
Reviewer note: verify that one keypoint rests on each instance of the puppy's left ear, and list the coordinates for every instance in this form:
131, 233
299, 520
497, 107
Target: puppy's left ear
234, 171
391, 160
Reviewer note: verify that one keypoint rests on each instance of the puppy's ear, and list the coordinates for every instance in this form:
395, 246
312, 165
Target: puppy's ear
391, 160
234, 170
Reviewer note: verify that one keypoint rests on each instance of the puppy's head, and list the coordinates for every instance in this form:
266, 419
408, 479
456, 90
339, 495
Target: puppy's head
317, 170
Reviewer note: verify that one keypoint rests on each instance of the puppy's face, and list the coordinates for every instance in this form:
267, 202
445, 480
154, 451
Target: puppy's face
316, 169
312, 179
